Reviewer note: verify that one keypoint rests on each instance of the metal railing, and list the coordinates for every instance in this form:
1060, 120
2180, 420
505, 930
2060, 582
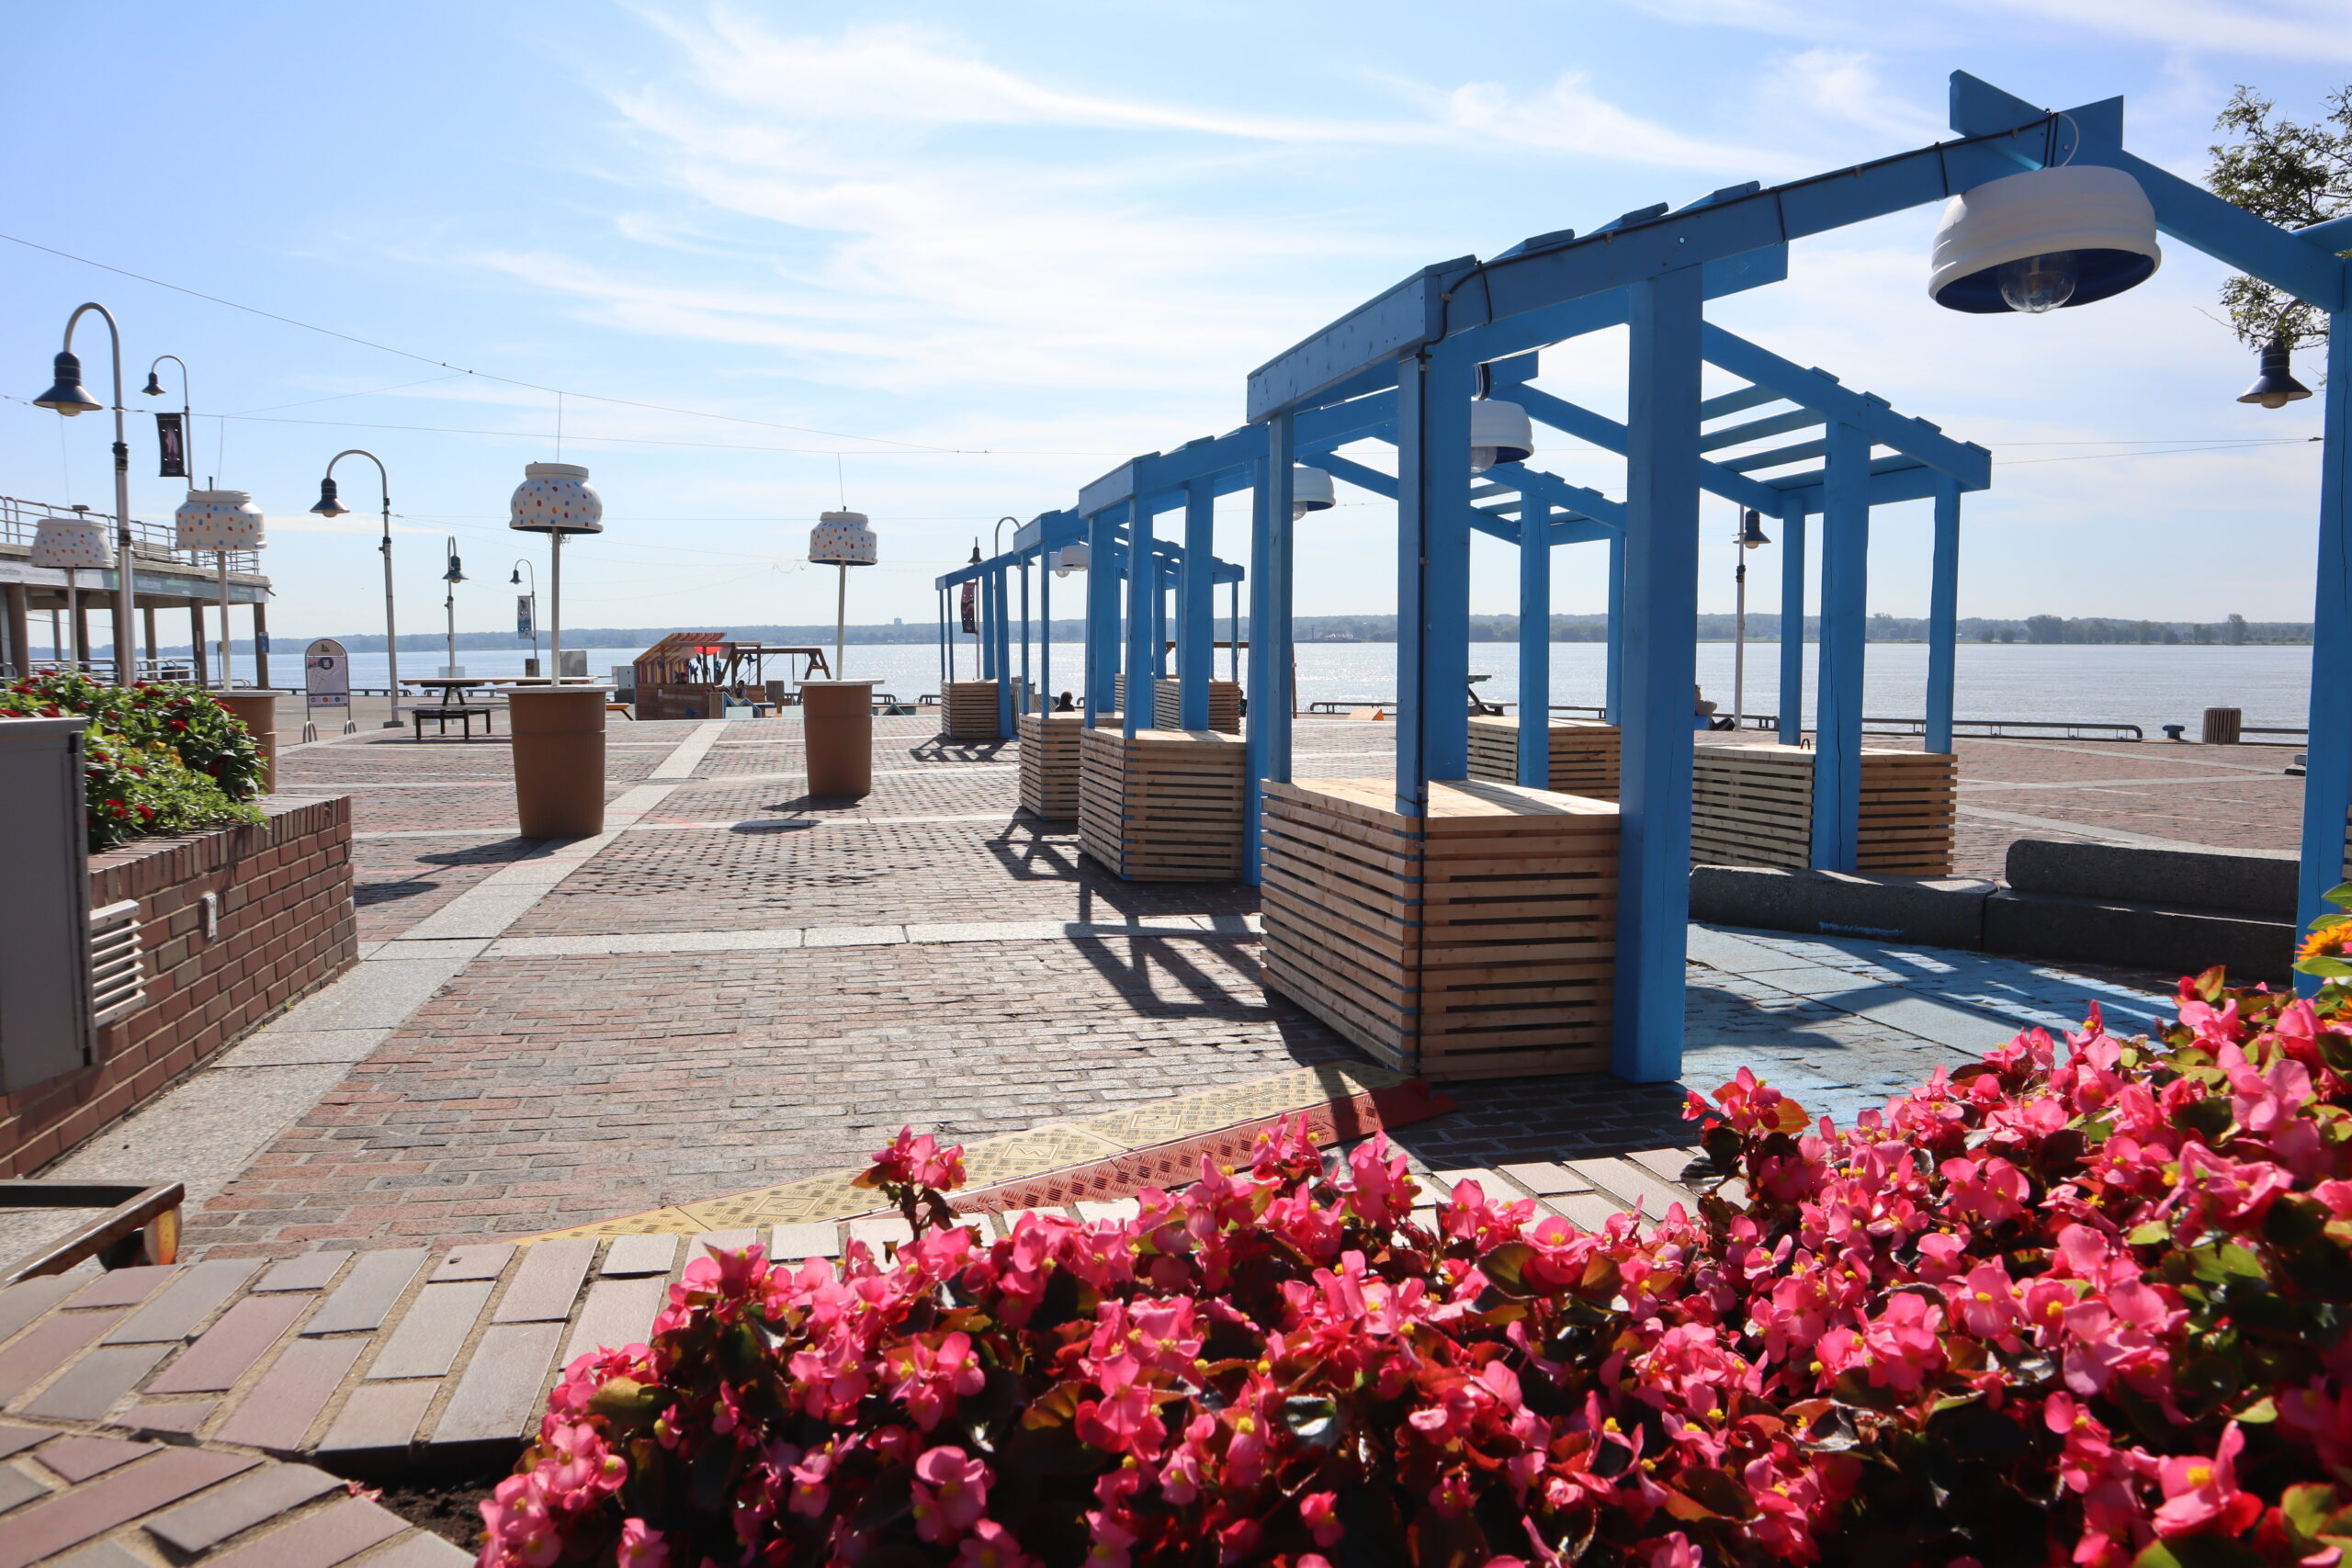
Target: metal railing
149, 541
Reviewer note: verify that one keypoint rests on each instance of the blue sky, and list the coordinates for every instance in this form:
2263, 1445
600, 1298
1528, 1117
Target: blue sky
948, 263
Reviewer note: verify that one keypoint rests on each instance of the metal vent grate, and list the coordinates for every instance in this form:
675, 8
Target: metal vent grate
117, 963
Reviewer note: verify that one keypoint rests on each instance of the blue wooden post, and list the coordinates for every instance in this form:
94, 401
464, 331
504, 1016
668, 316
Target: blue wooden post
1143, 617
2327, 767
1943, 614
1102, 615
1845, 606
1534, 642
1004, 650
1792, 531
1268, 729
1432, 574
1613, 677
1661, 633
1045, 703
1028, 687
1196, 608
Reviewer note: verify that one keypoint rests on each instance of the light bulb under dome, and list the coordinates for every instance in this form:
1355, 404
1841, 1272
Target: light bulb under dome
71, 544
2044, 239
1077, 557
842, 539
1310, 490
217, 520
556, 498
2275, 387
1499, 433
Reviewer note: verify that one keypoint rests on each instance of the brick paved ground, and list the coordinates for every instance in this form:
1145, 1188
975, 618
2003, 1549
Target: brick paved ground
542, 1086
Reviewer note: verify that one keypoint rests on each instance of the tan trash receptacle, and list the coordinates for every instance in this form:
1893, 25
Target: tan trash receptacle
258, 709
837, 717
559, 759
2222, 726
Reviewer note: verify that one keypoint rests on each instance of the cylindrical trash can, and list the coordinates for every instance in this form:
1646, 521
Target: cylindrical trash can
839, 718
559, 759
2222, 726
258, 709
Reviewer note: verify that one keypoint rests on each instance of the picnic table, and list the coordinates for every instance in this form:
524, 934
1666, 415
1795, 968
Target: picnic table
453, 703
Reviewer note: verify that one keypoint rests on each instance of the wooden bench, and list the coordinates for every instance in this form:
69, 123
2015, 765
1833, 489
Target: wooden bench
442, 713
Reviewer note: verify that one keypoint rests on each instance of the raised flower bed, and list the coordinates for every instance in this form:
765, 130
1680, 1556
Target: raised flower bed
2081, 1303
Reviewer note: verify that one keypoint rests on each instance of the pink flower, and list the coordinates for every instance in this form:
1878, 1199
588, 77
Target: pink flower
951, 1493
931, 1377
1992, 1190
1986, 1304
1903, 1345
1121, 1421
1316, 1510
1676, 1551
2201, 1491
916, 1160
641, 1547
991, 1545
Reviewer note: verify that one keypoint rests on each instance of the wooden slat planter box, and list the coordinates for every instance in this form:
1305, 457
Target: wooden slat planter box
1584, 755
1049, 764
1167, 707
1164, 806
1753, 806
1478, 941
971, 710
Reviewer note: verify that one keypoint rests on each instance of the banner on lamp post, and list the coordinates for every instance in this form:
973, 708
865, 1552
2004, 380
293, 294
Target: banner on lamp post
171, 442
972, 622
526, 618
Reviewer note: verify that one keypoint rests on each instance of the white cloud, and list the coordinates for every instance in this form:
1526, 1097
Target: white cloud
1568, 117
2287, 29
1844, 84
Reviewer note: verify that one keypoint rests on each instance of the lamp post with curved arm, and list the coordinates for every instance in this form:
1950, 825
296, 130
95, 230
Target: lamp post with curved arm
329, 506
67, 397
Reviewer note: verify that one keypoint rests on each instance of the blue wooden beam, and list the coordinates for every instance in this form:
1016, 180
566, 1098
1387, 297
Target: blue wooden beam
1845, 606
1758, 429
1101, 616
1535, 646
1943, 614
1432, 576
1196, 614
1613, 670
1660, 622
1793, 571
1745, 397
1610, 436
1967, 462
1358, 475
1271, 697
2328, 775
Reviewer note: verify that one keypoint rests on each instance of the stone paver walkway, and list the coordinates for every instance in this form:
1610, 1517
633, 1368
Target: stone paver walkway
737, 986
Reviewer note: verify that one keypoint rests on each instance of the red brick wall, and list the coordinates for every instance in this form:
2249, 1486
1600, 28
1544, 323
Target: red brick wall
287, 925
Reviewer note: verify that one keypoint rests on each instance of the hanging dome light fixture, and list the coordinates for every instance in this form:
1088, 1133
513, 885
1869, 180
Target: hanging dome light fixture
1499, 433
1077, 557
2275, 387
1751, 530
71, 544
1310, 490
842, 539
2047, 238
217, 520
66, 394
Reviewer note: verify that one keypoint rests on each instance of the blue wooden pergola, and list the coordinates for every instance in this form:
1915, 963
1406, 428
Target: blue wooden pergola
1423, 342
1037, 544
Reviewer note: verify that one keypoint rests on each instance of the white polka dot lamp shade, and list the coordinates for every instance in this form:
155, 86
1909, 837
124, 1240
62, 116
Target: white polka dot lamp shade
556, 498
217, 520
71, 544
842, 539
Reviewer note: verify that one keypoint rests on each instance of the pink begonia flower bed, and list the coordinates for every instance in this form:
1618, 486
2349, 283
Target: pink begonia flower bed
2083, 1303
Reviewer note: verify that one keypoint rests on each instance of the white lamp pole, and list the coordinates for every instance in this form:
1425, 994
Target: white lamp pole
556, 499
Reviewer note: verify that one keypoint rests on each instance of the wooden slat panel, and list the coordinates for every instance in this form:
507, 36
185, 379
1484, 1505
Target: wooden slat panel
1049, 764
1162, 805
1477, 941
971, 709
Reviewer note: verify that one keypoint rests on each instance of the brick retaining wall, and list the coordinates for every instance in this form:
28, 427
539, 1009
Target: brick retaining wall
285, 927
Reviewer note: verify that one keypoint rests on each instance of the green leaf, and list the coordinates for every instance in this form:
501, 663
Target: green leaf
2340, 896
1315, 1422
2327, 968
2150, 1233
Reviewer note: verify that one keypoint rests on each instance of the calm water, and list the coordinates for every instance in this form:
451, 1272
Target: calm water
2143, 685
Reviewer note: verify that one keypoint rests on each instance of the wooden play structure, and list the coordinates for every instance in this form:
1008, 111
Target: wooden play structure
698, 675
1478, 941
1754, 806
1163, 804
1583, 755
